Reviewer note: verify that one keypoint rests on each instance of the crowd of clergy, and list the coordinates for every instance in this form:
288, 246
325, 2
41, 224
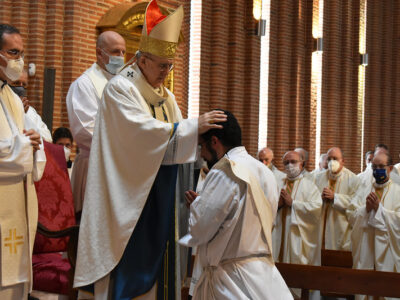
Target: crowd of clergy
330, 208
333, 208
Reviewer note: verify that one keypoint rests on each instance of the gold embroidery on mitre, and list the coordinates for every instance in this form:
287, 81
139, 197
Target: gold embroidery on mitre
13, 241
157, 47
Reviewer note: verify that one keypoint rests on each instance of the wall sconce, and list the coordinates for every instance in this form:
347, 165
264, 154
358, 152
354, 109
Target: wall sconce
257, 9
364, 59
319, 44
261, 27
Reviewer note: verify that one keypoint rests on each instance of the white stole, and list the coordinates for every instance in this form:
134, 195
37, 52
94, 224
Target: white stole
98, 77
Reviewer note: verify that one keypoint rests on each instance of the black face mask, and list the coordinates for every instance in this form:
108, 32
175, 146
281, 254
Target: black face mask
19, 90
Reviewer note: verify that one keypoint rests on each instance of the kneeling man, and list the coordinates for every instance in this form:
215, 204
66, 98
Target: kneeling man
231, 222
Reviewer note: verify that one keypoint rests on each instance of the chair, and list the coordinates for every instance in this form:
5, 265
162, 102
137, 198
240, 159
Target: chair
57, 229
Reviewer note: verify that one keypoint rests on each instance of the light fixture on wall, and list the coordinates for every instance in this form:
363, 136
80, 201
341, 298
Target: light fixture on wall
257, 9
261, 27
257, 14
319, 44
364, 59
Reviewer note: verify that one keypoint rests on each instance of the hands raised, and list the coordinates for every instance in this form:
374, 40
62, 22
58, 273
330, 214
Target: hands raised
285, 199
372, 202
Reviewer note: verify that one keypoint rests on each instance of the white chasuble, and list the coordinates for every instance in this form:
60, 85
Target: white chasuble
296, 232
231, 223
128, 147
375, 236
377, 233
18, 210
336, 235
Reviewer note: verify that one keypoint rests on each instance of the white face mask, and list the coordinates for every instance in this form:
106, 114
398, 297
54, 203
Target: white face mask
67, 153
292, 170
14, 68
333, 166
115, 63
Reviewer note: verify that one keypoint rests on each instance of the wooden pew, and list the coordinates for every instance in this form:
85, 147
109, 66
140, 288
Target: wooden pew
340, 280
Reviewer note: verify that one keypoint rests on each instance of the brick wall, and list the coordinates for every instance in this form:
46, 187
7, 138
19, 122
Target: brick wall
61, 34
291, 118
339, 80
229, 72
382, 105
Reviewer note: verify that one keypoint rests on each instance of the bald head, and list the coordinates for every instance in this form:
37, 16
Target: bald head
381, 150
108, 38
266, 156
292, 155
109, 43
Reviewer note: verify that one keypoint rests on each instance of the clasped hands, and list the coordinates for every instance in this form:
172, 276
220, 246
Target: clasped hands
372, 202
285, 199
327, 195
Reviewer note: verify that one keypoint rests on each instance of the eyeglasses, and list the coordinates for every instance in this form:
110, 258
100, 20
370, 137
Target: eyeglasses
374, 167
14, 53
293, 162
162, 67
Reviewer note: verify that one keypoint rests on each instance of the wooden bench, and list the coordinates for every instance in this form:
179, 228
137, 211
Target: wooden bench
340, 280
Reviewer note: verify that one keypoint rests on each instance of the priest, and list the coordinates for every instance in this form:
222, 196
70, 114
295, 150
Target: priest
266, 156
375, 217
20, 154
127, 235
83, 100
296, 230
337, 186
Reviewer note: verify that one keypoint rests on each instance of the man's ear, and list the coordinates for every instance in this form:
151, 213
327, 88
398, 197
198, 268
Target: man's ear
214, 140
142, 61
98, 51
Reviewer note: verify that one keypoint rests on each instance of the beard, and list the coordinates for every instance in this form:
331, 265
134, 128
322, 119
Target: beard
214, 157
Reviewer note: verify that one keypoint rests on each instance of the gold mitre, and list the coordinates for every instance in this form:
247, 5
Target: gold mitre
160, 33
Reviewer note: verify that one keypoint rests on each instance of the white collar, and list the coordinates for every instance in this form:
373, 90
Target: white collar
150, 94
383, 185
